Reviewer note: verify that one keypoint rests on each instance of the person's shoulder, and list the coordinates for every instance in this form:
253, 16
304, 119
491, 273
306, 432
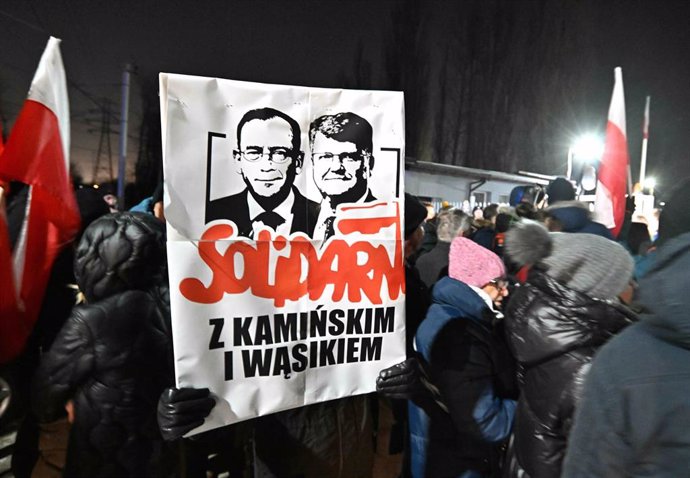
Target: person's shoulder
227, 207
239, 198
624, 356
301, 199
134, 299
593, 227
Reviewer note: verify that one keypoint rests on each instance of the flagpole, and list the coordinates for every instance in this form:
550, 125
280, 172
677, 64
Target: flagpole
645, 139
124, 113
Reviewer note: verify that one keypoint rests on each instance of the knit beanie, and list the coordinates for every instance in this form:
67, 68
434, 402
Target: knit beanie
675, 217
473, 264
587, 263
560, 189
415, 214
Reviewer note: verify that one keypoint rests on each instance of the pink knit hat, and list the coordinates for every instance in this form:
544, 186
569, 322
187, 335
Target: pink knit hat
473, 264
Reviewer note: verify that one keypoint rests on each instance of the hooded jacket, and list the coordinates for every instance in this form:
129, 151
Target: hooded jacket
635, 414
574, 216
113, 357
554, 332
469, 363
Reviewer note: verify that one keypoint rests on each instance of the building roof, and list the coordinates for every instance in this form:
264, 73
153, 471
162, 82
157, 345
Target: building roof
488, 175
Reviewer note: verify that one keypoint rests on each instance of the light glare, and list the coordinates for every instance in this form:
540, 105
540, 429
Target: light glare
588, 148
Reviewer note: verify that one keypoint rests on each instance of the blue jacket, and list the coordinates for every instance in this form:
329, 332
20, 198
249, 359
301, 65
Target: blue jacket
643, 264
574, 216
145, 206
468, 362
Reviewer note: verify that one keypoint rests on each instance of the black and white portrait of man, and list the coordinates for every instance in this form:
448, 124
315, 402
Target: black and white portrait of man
341, 153
269, 157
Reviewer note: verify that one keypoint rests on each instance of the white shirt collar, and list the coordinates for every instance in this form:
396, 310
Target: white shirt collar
327, 211
284, 209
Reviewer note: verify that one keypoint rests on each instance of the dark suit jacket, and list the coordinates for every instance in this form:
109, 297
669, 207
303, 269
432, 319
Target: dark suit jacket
235, 208
370, 197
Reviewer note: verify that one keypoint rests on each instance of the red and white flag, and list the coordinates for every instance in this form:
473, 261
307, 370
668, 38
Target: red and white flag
609, 203
36, 154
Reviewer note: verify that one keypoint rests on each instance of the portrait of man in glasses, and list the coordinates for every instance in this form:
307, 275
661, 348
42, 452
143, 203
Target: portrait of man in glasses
269, 156
341, 153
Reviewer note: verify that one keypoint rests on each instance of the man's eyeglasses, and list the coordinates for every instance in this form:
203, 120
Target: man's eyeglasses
277, 155
344, 158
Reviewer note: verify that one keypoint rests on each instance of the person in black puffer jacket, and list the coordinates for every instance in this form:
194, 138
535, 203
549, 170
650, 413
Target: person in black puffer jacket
555, 323
113, 357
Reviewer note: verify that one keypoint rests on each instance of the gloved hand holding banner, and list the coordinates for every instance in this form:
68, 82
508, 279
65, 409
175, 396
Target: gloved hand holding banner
285, 241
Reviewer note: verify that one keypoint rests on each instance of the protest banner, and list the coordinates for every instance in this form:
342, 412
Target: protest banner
284, 207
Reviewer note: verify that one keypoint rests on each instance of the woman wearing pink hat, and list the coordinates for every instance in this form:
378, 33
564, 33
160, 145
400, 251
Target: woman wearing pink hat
468, 367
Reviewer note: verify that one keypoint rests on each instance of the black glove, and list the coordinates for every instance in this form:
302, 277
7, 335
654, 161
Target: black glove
182, 409
401, 381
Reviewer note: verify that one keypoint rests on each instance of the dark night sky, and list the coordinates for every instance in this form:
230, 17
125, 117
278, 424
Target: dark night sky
313, 43
652, 45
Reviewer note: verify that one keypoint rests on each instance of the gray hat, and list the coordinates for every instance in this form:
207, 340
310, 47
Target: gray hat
593, 265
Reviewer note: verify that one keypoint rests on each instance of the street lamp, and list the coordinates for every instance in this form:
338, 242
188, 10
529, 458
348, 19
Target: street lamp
586, 149
650, 184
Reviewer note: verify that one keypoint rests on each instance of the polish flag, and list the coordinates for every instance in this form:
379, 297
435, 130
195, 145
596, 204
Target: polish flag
609, 202
36, 154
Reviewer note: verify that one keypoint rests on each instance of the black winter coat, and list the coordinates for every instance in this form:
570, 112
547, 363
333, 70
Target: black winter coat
417, 302
113, 357
554, 333
432, 264
328, 439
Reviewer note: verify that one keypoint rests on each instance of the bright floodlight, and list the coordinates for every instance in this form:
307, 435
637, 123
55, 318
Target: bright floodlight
650, 183
588, 148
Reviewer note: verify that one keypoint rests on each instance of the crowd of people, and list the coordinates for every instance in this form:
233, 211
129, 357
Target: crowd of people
537, 346
550, 349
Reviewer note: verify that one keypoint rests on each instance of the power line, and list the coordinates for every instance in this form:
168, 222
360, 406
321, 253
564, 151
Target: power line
70, 83
38, 19
23, 22
81, 90
85, 46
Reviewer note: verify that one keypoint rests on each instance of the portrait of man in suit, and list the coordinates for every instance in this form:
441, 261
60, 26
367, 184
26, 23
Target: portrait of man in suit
341, 153
269, 157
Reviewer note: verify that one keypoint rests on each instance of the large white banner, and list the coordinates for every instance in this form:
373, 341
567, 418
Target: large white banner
284, 207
